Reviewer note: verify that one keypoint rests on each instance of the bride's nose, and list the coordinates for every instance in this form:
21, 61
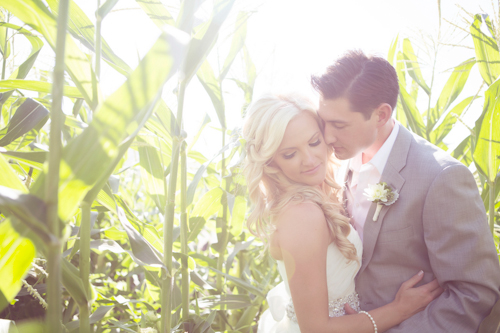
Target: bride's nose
309, 158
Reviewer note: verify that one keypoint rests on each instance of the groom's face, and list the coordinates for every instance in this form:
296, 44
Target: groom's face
348, 132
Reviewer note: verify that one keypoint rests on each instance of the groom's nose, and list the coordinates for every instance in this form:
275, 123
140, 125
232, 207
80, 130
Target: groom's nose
330, 136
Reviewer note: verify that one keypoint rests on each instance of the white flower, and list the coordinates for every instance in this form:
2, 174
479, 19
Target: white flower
381, 194
376, 193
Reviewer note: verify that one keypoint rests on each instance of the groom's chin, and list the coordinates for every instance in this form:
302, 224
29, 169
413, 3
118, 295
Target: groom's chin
340, 156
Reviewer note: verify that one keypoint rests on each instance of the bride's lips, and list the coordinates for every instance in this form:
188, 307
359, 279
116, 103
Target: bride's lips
313, 170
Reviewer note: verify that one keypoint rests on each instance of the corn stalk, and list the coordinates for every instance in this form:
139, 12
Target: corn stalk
52, 185
4, 62
168, 226
184, 236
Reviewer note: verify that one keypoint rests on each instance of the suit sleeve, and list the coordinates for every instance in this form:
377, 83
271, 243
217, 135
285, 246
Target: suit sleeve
461, 253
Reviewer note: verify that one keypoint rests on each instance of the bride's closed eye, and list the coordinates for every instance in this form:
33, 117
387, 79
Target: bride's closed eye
316, 143
288, 156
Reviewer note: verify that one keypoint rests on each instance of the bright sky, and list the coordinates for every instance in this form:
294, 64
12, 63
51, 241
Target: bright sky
289, 40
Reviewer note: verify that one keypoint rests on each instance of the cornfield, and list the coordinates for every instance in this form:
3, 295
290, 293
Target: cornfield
112, 221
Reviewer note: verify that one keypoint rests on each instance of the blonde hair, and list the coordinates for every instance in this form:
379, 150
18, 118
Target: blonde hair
270, 191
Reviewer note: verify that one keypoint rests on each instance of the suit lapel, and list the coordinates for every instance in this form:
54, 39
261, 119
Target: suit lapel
396, 162
341, 179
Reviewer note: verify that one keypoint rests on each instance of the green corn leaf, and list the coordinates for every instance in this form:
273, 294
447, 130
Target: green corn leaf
486, 48
88, 157
4, 41
142, 249
251, 75
413, 66
487, 148
237, 43
31, 211
110, 201
96, 316
105, 176
106, 8
29, 115
9, 178
34, 14
238, 215
206, 120
412, 114
401, 68
199, 174
485, 194
103, 245
22, 71
205, 37
73, 123
400, 114
240, 246
186, 17
163, 148
198, 280
251, 71
40, 86
156, 12
163, 122
463, 152
27, 208
16, 255
438, 134
231, 302
152, 173
36, 45
392, 50
81, 28
33, 159
207, 206
239, 282
451, 89
212, 87
74, 284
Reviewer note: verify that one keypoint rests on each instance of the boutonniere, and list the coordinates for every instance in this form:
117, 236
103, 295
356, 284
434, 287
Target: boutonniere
381, 194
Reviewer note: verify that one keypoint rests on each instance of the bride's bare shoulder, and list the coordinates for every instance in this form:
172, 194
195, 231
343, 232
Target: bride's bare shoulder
300, 219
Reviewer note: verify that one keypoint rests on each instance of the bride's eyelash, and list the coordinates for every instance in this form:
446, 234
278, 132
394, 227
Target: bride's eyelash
289, 156
314, 144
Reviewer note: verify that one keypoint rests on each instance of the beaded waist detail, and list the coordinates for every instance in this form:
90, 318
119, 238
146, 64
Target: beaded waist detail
335, 308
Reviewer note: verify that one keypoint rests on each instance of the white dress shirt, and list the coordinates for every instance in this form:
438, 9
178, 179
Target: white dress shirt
364, 174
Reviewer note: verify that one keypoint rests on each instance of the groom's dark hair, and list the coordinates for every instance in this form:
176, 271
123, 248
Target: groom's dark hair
366, 82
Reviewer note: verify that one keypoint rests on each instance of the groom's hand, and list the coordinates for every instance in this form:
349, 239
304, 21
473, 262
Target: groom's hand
349, 310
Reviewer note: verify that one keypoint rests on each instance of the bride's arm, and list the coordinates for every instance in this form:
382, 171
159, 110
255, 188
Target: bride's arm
303, 237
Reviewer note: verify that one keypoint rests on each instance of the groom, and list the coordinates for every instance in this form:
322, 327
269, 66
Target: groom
438, 223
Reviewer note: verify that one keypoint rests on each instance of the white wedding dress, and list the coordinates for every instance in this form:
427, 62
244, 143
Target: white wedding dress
280, 317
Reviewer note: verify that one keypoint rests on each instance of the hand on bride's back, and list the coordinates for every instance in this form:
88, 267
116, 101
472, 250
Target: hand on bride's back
410, 299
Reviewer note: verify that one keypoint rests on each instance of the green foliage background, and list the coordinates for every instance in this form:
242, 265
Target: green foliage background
161, 244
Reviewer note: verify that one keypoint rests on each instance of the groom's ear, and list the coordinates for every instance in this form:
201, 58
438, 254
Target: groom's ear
383, 114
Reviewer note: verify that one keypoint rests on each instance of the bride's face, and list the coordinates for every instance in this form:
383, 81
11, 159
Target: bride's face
302, 155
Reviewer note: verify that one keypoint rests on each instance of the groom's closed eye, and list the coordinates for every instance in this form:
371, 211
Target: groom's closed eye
337, 125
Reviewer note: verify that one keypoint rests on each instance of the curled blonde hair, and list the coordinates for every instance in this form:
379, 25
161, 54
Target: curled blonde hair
270, 191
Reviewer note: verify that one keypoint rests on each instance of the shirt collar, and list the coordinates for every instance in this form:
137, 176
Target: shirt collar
379, 160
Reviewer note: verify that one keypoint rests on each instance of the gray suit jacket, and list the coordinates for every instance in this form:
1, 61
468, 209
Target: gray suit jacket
438, 224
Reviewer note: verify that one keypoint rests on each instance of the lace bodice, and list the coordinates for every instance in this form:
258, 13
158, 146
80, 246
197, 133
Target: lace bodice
340, 284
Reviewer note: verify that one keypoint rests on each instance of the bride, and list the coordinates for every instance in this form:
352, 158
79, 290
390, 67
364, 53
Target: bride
289, 172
